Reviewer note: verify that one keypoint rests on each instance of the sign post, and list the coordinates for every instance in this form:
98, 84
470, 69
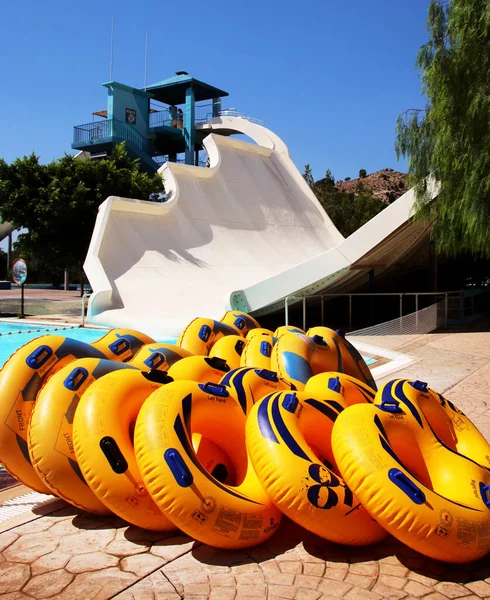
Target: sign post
19, 276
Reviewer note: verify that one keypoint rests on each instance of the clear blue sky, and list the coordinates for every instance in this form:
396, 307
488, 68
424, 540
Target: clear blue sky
329, 77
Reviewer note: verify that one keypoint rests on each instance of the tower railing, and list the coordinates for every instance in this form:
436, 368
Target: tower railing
204, 112
110, 129
159, 118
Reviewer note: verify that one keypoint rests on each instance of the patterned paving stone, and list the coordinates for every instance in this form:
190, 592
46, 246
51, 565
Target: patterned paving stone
61, 561
48, 585
452, 590
15, 596
154, 587
97, 585
141, 564
389, 592
93, 561
13, 577
7, 539
480, 588
50, 562
85, 542
29, 547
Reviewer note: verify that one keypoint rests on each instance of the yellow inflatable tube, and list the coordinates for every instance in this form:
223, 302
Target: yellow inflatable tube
432, 498
350, 360
51, 431
199, 368
258, 331
450, 424
286, 434
240, 321
26, 371
250, 385
351, 389
102, 437
280, 331
291, 358
258, 351
230, 348
214, 513
158, 356
50, 440
201, 334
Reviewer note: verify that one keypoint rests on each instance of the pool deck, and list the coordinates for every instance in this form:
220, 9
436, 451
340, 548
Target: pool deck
46, 304
55, 551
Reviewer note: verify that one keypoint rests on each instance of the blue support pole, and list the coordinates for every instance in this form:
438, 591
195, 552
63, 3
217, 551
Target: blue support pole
189, 125
216, 107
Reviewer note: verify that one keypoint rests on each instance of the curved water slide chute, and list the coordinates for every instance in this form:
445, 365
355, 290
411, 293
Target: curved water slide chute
243, 234
6, 228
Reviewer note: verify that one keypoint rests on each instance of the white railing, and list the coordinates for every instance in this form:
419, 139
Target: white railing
84, 297
231, 112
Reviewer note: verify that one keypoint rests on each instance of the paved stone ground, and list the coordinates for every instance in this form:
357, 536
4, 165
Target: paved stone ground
72, 555
42, 303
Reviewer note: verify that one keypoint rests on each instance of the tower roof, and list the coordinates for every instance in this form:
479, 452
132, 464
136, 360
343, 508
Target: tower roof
172, 90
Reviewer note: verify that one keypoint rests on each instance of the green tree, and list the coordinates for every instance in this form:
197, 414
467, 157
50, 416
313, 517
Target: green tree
348, 210
362, 173
450, 138
308, 175
329, 177
58, 203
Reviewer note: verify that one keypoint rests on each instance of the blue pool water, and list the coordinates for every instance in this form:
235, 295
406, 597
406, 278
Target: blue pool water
15, 335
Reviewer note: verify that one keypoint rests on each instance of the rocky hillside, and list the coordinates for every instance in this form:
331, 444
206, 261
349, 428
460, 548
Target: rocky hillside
387, 184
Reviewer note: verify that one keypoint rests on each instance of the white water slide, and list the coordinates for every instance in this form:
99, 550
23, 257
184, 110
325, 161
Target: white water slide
6, 228
243, 234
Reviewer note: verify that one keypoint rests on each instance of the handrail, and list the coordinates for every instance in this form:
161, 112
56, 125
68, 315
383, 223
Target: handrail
162, 117
110, 128
234, 113
459, 294
203, 112
86, 295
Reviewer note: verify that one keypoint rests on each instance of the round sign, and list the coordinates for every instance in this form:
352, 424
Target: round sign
19, 271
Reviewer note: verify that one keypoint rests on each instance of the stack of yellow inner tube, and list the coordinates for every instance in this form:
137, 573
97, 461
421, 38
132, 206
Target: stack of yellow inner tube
235, 425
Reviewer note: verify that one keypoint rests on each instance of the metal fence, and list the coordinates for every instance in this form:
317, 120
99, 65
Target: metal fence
91, 132
203, 112
392, 334
159, 118
452, 305
110, 129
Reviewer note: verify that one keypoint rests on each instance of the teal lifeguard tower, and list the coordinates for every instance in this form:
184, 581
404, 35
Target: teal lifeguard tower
157, 123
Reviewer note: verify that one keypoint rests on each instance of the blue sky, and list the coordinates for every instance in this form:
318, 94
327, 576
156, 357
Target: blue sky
329, 77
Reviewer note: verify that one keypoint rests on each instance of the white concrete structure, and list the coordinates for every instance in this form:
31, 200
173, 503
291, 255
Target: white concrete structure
243, 234
5, 229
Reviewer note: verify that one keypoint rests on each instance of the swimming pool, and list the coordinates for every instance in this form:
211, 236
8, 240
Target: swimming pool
13, 335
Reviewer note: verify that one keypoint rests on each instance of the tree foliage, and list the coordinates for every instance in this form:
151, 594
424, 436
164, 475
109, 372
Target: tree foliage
348, 210
451, 137
58, 203
308, 175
